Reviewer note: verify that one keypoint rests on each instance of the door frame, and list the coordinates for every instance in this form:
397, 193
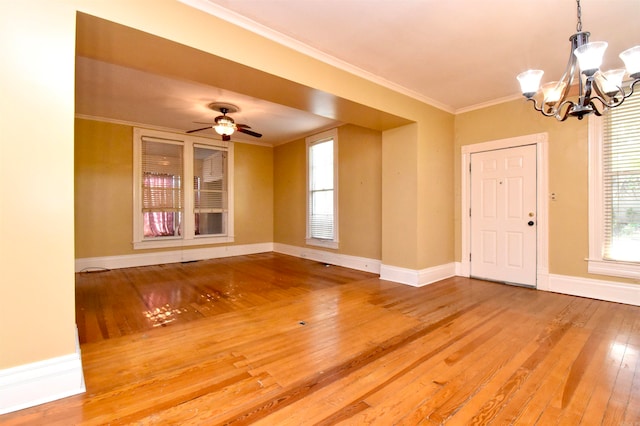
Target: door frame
540, 140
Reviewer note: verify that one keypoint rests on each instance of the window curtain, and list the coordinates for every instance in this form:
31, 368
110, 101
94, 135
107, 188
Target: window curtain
158, 194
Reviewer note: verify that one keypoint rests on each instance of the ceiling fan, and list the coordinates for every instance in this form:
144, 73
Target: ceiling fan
225, 125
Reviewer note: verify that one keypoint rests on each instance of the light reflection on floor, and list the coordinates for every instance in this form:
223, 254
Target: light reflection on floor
620, 351
169, 312
163, 315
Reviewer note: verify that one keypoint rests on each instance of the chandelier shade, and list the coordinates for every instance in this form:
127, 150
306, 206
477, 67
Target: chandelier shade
631, 59
590, 56
553, 91
611, 80
597, 91
530, 81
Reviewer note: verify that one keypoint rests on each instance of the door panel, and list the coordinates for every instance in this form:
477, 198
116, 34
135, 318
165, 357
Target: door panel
503, 202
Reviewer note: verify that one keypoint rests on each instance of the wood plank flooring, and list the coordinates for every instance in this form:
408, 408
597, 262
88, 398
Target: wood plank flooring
270, 339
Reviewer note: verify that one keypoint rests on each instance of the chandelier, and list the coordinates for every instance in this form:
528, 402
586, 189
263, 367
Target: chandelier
597, 91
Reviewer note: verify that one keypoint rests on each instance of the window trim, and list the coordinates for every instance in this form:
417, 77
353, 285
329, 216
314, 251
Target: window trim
310, 141
596, 262
188, 238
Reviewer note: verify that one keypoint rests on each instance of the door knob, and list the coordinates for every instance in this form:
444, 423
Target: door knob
531, 223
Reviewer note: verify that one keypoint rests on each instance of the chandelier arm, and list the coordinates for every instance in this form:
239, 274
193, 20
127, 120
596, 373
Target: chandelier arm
601, 97
608, 101
585, 99
614, 101
596, 111
631, 88
563, 116
567, 87
569, 74
569, 70
540, 109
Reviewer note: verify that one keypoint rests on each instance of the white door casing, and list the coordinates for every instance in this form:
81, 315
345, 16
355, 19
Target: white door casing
503, 215
540, 140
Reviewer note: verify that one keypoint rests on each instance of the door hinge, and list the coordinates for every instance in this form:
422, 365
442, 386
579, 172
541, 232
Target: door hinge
469, 257
469, 212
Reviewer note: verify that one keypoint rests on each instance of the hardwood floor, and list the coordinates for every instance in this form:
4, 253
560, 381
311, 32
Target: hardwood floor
270, 339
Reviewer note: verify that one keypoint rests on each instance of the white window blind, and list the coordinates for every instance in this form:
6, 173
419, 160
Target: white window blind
321, 221
162, 193
210, 191
621, 181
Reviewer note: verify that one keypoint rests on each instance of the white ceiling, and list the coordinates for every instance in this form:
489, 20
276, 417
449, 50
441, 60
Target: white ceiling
454, 54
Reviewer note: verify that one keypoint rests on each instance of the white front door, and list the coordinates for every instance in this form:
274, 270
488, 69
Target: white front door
503, 215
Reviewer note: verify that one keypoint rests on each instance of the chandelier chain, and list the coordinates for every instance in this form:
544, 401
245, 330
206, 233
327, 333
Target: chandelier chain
579, 24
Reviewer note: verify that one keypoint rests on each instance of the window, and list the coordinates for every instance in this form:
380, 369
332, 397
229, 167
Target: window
614, 191
210, 190
322, 189
162, 198
167, 212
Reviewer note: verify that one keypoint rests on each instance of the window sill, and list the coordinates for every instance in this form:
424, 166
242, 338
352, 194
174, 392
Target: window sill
322, 243
179, 242
614, 269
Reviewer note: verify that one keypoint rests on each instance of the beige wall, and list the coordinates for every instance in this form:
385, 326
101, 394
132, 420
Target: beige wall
104, 182
568, 176
253, 194
289, 182
37, 315
359, 191
399, 200
103, 189
435, 190
418, 193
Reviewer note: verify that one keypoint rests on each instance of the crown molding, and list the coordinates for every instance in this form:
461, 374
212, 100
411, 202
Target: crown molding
488, 104
160, 128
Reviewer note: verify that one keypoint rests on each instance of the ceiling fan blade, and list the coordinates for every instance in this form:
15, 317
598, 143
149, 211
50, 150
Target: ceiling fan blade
244, 126
198, 130
249, 132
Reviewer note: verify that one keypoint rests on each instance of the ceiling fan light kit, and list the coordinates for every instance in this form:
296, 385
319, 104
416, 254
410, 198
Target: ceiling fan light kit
607, 88
225, 125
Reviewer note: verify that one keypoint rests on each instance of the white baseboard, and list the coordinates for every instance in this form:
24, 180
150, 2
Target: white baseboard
610, 291
39, 382
173, 256
462, 270
417, 278
348, 261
